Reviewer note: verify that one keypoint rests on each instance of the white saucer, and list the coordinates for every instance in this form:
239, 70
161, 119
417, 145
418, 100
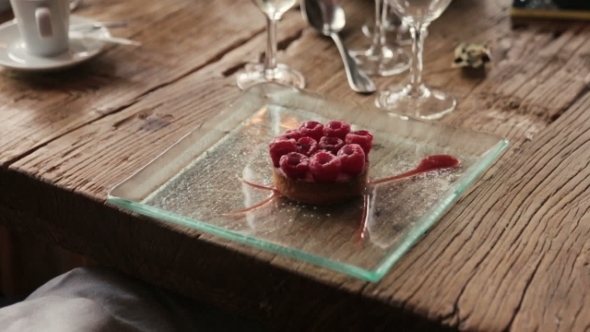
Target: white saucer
13, 53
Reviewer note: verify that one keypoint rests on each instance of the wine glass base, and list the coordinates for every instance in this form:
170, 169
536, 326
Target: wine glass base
385, 61
256, 73
426, 104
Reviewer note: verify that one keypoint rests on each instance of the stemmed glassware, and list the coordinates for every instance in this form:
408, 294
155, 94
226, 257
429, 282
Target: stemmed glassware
270, 70
416, 98
381, 58
392, 26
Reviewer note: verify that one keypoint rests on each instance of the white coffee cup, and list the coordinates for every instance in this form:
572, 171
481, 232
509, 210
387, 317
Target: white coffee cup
43, 25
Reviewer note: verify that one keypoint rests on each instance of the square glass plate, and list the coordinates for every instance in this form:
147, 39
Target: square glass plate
197, 180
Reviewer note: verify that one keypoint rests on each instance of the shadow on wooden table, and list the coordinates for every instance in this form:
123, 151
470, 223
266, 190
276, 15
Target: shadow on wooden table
92, 75
27, 262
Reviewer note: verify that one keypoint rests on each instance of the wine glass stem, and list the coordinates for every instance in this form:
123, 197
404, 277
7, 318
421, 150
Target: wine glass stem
399, 32
384, 18
418, 36
270, 59
378, 26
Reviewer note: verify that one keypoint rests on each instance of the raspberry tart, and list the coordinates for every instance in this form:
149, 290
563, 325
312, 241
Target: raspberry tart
321, 163
328, 163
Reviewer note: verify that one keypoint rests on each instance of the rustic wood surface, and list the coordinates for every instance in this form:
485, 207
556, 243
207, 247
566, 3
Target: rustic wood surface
512, 254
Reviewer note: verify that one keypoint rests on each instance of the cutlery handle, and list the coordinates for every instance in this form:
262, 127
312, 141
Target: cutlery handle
358, 80
97, 25
116, 40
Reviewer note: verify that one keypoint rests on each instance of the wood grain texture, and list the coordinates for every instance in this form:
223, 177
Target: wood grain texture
173, 45
493, 259
513, 254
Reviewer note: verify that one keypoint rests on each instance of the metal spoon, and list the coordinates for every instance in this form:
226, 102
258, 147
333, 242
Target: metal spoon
327, 17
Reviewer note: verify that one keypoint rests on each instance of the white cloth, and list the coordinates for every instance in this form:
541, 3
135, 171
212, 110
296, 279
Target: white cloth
99, 299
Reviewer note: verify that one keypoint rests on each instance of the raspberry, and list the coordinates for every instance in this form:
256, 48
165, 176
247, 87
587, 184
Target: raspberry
292, 134
312, 129
336, 129
278, 148
294, 165
307, 145
331, 144
352, 158
324, 167
362, 138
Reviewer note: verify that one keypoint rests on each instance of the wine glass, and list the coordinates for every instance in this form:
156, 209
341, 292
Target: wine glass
381, 58
270, 71
416, 98
402, 30
392, 26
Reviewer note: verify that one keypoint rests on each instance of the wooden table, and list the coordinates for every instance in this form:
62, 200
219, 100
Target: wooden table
512, 254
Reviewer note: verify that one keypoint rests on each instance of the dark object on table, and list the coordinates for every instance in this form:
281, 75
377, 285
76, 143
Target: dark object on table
471, 55
573, 4
559, 9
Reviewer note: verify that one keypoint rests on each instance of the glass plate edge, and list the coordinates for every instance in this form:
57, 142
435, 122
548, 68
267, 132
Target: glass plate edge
373, 275
378, 271
432, 215
241, 238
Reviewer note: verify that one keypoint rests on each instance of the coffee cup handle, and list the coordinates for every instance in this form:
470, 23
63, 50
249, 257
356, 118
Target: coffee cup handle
43, 20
